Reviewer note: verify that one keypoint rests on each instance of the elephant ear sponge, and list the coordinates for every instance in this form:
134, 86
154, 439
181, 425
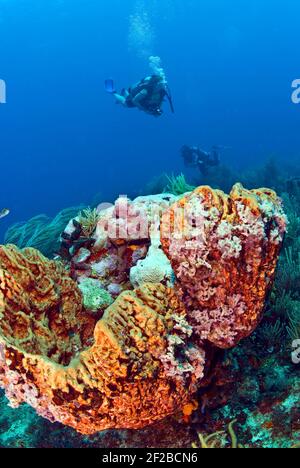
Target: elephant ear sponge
223, 250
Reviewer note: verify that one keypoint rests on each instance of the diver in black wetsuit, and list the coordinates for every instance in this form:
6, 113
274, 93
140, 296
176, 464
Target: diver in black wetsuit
147, 95
193, 156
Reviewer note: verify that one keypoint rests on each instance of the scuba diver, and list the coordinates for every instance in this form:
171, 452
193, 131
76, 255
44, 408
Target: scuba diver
195, 157
147, 95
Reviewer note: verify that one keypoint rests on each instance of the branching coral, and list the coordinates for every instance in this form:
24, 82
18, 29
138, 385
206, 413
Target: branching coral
271, 334
288, 278
284, 300
293, 327
217, 439
279, 303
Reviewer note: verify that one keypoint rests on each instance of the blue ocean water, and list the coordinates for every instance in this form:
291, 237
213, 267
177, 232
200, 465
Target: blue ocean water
230, 65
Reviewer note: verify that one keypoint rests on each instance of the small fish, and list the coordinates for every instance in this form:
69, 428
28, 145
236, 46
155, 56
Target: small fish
4, 213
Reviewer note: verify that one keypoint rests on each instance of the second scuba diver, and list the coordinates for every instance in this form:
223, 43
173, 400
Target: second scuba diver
193, 156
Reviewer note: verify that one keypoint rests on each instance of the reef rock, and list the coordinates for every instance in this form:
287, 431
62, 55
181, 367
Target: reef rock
147, 355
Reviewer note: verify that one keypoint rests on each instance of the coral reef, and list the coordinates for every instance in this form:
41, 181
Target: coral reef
40, 232
125, 234
119, 333
265, 396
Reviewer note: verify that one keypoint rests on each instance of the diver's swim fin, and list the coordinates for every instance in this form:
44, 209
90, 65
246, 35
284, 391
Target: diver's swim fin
110, 86
169, 96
